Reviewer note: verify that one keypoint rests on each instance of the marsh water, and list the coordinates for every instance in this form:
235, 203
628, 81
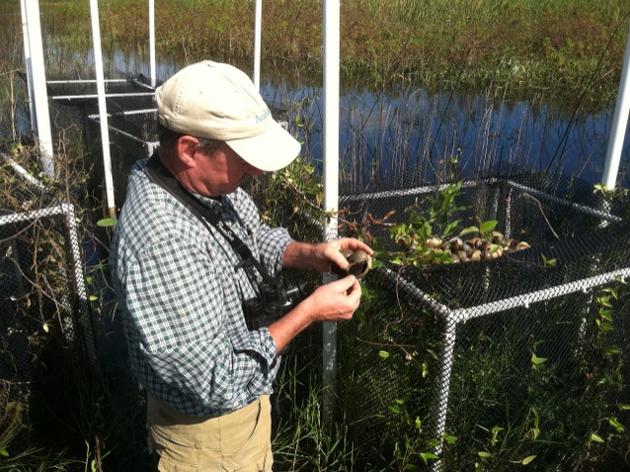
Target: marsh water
405, 135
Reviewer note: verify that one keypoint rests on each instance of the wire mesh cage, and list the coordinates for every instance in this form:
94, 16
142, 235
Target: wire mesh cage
492, 361
131, 121
43, 293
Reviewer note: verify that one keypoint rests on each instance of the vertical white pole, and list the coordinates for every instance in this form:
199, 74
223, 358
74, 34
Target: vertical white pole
152, 42
331, 180
257, 42
102, 107
27, 64
620, 122
40, 94
444, 385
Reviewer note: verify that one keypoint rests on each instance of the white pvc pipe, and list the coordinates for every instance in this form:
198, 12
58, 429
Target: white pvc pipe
108, 95
27, 64
620, 123
102, 108
22, 172
257, 42
331, 179
152, 42
444, 387
40, 94
83, 81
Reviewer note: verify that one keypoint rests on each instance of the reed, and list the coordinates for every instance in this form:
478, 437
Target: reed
550, 46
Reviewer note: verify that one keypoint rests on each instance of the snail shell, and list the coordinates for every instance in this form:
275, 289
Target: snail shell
497, 237
433, 243
456, 244
522, 245
475, 242
360, 263
476, 255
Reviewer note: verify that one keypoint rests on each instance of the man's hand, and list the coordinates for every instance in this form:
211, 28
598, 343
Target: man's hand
334, 301
322, 256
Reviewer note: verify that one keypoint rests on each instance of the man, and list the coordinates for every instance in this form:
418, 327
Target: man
183, 257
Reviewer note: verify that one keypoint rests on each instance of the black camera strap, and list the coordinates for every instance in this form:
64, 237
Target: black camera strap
160, 175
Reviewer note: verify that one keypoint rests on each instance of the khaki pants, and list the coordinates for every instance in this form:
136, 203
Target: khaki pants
238, 441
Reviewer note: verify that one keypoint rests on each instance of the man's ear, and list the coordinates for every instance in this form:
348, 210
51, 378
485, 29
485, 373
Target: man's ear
186, 150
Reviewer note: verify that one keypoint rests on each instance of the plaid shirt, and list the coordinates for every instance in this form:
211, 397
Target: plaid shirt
181, 297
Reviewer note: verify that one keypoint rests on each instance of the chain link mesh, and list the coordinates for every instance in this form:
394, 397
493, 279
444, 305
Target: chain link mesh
492, 363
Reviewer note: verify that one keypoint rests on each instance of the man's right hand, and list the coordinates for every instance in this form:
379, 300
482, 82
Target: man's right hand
334, 301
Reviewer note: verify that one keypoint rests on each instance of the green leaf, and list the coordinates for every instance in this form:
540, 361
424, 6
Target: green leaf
106, 222
528, 459
484, 454
538, 360
623, 407
604, 300
605, 314
4, 452
605, 326
612, 292
469, 230
428, 456
383, 354
418, 423
612, 351
449, 438
394, 409
92, 298
596, 438
615, 423
487, 226
94, 465
548, 262
450, 228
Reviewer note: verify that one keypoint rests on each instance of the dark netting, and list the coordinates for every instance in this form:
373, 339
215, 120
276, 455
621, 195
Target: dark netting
42, 295
132, 137
132, 123
516, 359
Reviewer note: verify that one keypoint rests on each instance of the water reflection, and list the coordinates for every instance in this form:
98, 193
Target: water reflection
406, 136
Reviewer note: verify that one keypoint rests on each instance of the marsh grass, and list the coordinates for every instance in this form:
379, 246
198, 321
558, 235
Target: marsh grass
555, 47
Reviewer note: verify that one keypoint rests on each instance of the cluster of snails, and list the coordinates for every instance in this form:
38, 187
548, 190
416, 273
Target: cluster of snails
477, 248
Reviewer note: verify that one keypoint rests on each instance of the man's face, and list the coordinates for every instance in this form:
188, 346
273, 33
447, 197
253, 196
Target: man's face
222, 171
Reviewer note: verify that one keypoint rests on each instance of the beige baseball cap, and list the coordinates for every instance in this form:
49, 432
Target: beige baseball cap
218, 101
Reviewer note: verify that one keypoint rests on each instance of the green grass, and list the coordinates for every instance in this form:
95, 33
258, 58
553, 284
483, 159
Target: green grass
557, 47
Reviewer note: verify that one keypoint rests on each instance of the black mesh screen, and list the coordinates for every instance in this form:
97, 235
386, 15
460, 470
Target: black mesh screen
42, 304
